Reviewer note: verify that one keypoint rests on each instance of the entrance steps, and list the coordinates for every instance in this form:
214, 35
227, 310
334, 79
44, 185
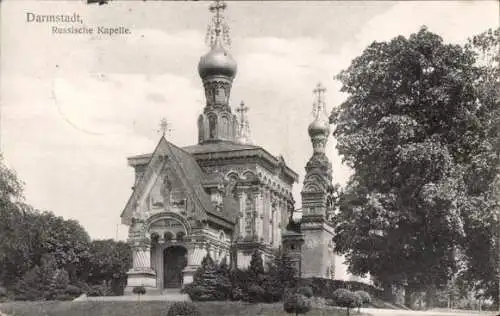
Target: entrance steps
151, 295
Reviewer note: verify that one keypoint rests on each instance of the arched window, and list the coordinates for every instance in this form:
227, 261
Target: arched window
212, 125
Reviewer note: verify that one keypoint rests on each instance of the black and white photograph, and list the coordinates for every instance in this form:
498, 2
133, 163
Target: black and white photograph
221, 158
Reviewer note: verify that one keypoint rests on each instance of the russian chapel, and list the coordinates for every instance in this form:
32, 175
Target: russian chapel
225, 196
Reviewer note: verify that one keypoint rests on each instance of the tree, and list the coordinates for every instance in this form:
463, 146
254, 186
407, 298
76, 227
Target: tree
223, 280
483, 225
204, 286
108, 261
256, 264
413, 129
14, 247
43, 282
296, 302
347, 299
280, 276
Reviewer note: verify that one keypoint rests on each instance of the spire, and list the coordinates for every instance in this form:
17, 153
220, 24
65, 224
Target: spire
218, 29
164, 127
217, 70
244, 125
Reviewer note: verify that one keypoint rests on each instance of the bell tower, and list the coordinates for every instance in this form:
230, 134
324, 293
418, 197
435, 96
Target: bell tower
316, 196
217, 70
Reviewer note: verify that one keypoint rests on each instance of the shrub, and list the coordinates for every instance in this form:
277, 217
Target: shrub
306, 291
99, 290
296, 303
205, 282
183, 309
346, 298
256, 293
73, 290
325, 287
139, 290
256, 265
238, 294
365, 297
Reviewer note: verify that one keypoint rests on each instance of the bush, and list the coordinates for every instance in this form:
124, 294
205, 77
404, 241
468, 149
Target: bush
238, 294
365, 297
73, 290
183, 309
205, 282
99, 290
296, 303
3, 291
346, 298
325, 287
256, 293
306, 291
139, 290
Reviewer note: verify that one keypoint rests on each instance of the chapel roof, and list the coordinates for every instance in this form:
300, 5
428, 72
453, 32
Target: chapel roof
190, 172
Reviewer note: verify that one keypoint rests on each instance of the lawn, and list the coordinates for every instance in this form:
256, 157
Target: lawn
152, 308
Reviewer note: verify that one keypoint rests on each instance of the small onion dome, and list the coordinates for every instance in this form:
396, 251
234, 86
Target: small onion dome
217, 62
319, 127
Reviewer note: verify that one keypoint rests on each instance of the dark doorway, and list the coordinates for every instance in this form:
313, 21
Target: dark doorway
175, 261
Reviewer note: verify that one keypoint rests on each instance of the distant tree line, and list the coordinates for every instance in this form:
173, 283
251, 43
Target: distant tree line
43, 256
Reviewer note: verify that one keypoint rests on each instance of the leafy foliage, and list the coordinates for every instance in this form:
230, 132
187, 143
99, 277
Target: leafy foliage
295, 302
139, 290
183, 309
44, 282
256, 264
108, 261
205, 282
365, 297
418, 131
346, 298
99, 290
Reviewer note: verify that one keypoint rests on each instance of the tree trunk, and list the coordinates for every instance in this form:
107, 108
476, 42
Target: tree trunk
408, 297
430, 297
388, 294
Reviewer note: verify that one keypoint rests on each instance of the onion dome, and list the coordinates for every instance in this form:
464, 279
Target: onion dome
319, 127
217, 62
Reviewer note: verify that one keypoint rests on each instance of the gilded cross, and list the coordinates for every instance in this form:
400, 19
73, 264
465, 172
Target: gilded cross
242, 109
319, 91
318, 105
218, 6
164, 126
218, 30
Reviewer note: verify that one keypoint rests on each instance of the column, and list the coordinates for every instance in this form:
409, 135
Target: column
258, 211
141, 273
242, 201
267, 218
275, 221
281, 223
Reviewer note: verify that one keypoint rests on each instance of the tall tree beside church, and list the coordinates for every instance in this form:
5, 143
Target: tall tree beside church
412, 129
483, 181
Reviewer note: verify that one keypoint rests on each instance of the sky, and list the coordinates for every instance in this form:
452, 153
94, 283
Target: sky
74, 107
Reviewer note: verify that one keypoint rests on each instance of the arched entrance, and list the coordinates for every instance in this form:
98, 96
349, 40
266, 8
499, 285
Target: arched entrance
175, 260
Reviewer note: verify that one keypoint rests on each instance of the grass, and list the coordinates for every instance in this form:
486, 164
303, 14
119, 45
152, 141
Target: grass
154, 308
